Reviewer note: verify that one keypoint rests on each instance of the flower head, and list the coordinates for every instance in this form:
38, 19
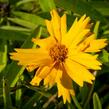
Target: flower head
63, 56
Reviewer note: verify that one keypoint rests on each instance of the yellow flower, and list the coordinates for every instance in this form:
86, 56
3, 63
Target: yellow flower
63, 56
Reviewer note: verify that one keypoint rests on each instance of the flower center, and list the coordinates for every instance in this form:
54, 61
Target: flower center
58, 53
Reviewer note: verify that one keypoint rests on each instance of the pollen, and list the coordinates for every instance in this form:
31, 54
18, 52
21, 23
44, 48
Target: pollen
58, 53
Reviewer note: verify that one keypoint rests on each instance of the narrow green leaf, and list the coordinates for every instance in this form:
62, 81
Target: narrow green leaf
96, 28
70, 106
3, 54
104, 57
23, 23
1, 20
18, 96
6, 95
84, 91
18, 72
96, 102
23, 2
14, 28
88, 97
106, 32
50, 99
29, 17
47, 5
76, 102
81, 7
39, 90
13, 33
101, 6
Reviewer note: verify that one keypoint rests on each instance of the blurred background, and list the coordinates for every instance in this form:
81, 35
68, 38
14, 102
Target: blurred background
20, 21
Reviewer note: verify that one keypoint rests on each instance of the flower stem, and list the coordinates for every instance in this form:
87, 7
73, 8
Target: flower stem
51, 99
76, 102
89, 96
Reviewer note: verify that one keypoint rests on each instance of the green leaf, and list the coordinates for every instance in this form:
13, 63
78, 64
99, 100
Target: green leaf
3, 54
83, 95
14, 28
81, 7
104, 57
76, 102
18, 96
70, 106
39, 90
6, 95
1, 20
96, 102
101, 6
96, 28
47, 5
23, 2
14, 33
13, 71
29, 17
23, 23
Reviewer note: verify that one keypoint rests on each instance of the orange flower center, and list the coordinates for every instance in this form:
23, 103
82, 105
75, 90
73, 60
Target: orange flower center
58, 53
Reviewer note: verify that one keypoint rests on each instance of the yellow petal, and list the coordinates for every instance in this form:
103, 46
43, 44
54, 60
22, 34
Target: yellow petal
42, 73
85, 43
75, 30
51, 78
49, 27
31, 57
76, 27
64, 84
90, 44
59, 74
65, 77
63, 25
96, 45
31, 67
56, 24
90, 38
44, 43
68, 37
86, 60
64, 92
79, 38
36, 80
78, 73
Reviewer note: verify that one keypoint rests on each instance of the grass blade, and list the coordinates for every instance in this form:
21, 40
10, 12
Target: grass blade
6, 95
3, 54
47, 5
96, 101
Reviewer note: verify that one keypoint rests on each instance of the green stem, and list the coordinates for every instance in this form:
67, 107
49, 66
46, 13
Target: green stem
51, 99
76, 102
89, 96
96, 28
